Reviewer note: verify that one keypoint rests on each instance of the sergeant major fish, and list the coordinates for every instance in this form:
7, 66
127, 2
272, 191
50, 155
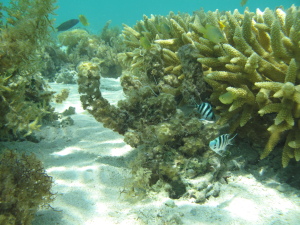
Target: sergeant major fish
219, 144
206, 111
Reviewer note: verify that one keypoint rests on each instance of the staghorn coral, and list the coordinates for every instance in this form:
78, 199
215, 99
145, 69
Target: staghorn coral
257, 73
24, 99
24, 187
252, 49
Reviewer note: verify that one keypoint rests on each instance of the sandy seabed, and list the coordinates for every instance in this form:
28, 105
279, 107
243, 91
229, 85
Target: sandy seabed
88, 164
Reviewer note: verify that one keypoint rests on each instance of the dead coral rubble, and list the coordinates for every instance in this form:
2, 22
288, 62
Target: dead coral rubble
172, 146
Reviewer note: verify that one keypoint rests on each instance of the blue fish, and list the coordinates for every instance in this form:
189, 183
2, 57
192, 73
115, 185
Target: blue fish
219, 144
206, 111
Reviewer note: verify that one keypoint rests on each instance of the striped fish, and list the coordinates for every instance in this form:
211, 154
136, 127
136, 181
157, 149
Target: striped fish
206, 111
219, 144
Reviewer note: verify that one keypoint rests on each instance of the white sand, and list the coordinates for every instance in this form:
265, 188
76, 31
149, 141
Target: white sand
88, 166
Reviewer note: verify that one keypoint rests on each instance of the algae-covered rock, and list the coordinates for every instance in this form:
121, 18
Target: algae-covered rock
150, 120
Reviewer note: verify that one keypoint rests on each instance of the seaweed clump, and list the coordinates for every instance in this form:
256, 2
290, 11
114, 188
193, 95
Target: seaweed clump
25, 187
24, 99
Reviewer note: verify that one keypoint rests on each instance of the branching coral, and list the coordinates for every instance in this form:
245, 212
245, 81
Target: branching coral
253, 67
259, 74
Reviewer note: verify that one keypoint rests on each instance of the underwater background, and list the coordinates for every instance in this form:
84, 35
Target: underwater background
130, 11
196, 119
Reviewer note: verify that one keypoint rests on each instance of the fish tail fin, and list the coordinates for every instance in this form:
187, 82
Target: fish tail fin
232, 137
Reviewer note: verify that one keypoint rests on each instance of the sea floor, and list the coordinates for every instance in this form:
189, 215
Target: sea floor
88, 164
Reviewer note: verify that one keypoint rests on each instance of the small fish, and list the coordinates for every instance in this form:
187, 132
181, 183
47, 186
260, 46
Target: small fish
165, 28
212, 33
243, 2
221, 25
83, 20
67, 25
206, 111
145, 43
219, 144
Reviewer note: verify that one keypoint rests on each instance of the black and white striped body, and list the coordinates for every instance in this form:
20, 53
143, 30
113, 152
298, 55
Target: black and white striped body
219, 144
206, 111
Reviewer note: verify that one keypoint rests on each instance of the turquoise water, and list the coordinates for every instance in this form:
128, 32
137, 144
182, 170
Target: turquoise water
99, 12
128, 12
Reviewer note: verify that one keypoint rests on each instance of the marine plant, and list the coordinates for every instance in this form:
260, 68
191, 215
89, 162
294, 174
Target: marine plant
62, 96
24, 188
24, 99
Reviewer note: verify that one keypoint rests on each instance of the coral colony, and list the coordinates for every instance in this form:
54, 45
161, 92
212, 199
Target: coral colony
245, 65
